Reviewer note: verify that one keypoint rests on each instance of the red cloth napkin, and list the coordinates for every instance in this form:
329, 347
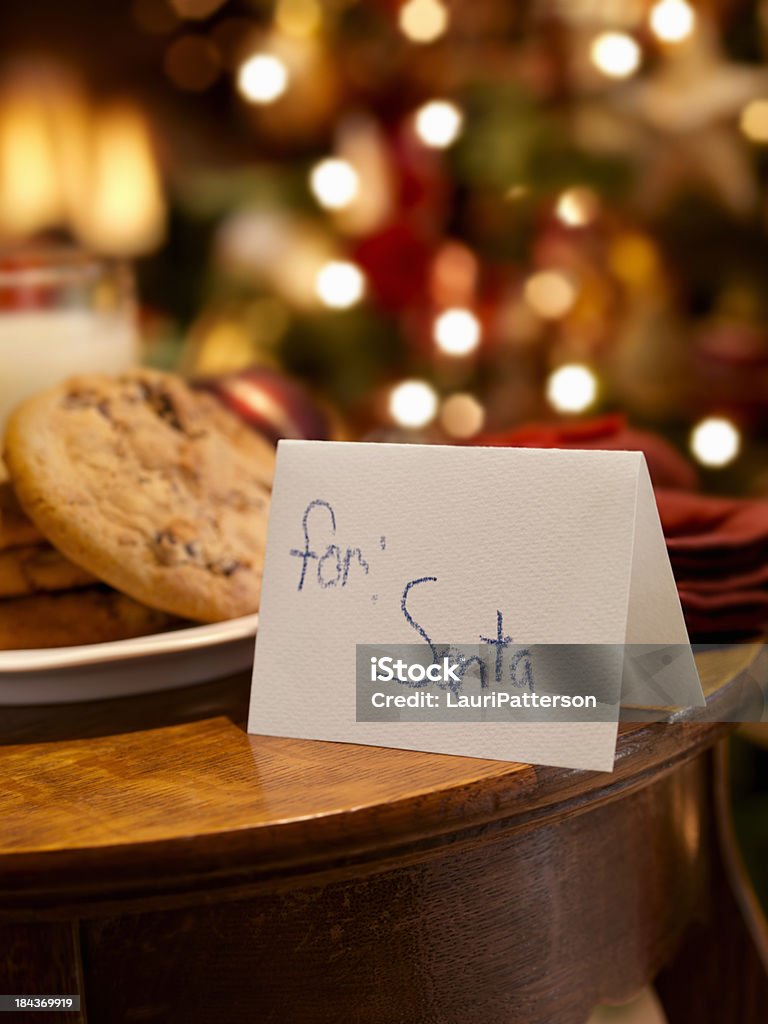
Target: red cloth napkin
668, 468
718, 547
719, 553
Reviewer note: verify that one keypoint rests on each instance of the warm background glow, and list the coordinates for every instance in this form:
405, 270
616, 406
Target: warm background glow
446, 220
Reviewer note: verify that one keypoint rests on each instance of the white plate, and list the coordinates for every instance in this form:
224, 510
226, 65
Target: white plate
145, 664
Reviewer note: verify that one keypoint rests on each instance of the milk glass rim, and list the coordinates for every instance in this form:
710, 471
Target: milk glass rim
61, 265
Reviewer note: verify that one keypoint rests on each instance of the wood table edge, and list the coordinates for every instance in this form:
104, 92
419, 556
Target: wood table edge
519, 797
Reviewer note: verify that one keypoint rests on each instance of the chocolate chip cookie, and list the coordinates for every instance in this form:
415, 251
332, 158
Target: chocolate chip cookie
16, 528
149, 485
39, 568
91, 616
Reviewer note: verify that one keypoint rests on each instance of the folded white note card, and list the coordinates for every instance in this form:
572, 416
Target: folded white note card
505, 550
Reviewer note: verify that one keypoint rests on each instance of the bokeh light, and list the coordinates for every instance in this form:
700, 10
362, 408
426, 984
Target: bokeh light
334, 183
340, 284
125, 166
438, 123
413, 403
615, 54
462, 416
754, 120
453, 275
298, 18
423, 21
457, 332
634, 259
715, 441
672, 21
262, 78
577, 207
550, 294
572, 388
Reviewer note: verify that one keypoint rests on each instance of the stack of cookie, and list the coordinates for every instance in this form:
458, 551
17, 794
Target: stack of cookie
48, 601
134, 503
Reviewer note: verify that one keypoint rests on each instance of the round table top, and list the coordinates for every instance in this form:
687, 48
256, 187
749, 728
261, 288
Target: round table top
140, 792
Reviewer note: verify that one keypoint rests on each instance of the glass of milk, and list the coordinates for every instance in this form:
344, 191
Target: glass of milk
62, 312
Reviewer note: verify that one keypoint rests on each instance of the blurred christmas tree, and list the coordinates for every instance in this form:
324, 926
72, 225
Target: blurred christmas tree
449, 218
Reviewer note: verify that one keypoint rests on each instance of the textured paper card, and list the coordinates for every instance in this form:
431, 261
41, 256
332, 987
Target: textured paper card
406, 544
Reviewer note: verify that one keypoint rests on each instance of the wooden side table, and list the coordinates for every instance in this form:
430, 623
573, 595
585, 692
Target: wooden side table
167, 867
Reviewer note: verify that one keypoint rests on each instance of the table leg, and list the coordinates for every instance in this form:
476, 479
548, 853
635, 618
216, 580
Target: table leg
41, 959
720, 972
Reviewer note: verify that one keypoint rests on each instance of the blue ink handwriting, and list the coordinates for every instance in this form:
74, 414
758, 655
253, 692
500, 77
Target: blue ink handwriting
333, 565
520, 670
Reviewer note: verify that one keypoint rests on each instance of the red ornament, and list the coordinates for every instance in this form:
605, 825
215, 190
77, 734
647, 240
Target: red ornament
397, 258
272, 403
396, 262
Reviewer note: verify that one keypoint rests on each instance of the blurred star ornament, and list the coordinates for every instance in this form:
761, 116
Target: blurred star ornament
361, 142
276, 248
686, 115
